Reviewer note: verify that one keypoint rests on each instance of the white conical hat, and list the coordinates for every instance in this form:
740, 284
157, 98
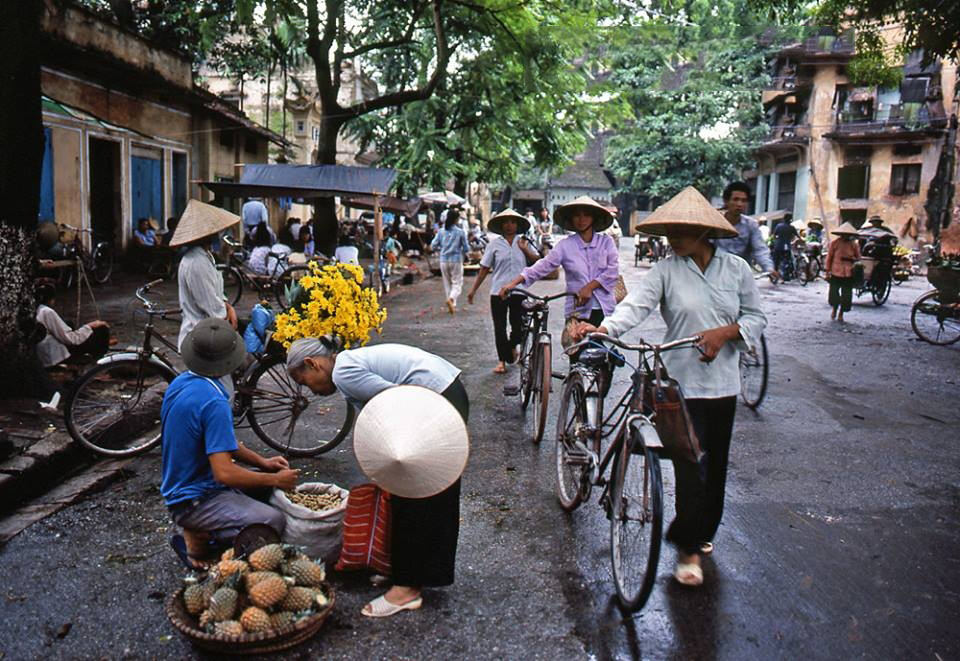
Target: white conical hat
688, 208
845, 229
200, 219
411, 442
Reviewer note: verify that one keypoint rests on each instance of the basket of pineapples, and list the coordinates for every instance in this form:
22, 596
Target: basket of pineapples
274, 599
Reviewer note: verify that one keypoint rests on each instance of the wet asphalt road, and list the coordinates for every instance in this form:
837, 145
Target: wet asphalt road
839, 540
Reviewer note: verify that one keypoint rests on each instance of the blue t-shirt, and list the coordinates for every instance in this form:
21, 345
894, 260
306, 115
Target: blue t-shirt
196, 422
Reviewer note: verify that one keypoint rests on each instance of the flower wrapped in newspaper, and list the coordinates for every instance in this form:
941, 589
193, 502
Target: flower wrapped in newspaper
331, 300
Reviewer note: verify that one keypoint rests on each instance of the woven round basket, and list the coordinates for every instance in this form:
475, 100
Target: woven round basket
250, 643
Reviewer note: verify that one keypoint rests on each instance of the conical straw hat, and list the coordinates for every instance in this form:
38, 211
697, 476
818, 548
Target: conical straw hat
602, 216
411, 442
199, 220
844, 229
688, 208
495, 224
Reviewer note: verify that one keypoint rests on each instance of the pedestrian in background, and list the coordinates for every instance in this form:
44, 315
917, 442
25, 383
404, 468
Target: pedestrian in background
505, 256
452, 243
589, 260
253, 212
701, 291
841, 256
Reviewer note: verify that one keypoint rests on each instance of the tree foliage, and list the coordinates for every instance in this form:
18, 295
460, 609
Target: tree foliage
693, 78
515, 95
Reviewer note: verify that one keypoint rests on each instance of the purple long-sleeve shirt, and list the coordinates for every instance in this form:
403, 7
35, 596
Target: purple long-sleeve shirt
582, 263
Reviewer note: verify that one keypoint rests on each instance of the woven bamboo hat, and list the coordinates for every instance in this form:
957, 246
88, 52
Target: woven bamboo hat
602, 218
200, 220
411, 442
688, 208
845, 230
496, 223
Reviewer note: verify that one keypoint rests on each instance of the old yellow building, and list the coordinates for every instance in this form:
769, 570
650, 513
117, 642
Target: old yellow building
844, 153
128, 133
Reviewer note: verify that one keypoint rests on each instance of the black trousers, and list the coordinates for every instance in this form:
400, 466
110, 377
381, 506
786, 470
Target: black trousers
841, 293
500, 310
94, 346
701, 488
424, 531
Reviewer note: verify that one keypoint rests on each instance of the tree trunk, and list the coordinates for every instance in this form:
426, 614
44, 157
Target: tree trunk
21, 158
266, 106
283, 105
326, 226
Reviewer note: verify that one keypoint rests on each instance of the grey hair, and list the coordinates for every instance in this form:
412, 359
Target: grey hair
306, 347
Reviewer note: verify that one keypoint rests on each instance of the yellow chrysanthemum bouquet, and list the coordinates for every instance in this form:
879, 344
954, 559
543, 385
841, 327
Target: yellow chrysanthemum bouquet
331, 300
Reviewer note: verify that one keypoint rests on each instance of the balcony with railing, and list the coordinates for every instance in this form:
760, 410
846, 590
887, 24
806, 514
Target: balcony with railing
896, 121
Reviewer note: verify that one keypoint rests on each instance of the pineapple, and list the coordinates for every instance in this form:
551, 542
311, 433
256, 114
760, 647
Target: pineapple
266, 558
268, 592
306, 572
193, 596
228, 628
254, 619
297, 599
223, 603
320, 598
227, 555
227, 567
281, 619
255, 577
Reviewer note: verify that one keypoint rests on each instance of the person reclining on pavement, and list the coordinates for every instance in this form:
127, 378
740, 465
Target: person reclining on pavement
208, 495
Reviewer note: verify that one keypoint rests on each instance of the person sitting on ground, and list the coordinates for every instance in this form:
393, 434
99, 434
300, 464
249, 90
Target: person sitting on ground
145, 236
209, 496
257, 261
61, 341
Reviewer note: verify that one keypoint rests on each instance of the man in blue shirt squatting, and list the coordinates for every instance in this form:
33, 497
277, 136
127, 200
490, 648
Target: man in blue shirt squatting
202, 485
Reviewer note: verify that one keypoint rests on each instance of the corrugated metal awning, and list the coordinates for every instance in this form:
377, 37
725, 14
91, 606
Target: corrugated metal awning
305, 181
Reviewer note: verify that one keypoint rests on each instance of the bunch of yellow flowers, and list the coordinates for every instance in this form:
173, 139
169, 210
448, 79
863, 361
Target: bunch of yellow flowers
331, 300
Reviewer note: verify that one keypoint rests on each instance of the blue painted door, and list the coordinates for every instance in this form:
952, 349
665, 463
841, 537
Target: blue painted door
46, 178
146, 176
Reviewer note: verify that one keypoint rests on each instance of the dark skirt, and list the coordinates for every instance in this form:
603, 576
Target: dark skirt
423, 542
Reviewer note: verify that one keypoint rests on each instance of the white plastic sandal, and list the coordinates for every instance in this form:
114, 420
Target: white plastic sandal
380, 607
706, 548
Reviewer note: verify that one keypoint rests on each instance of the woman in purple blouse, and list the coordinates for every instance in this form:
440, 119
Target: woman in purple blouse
589, 259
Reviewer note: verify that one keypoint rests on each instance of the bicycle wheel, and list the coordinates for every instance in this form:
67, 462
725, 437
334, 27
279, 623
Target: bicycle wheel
114, 410
540, 390
754, 371
274, 403
636, 522
102, 263
803, 270
286, 280
934, 322
527, 355
232, 283
571, 461
880, 297
814, 269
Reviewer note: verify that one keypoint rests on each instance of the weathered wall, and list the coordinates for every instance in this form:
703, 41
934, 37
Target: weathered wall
67, 176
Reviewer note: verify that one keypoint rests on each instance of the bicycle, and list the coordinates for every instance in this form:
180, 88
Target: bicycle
632, 496
114, 408
535, 359
98, 262
275, 284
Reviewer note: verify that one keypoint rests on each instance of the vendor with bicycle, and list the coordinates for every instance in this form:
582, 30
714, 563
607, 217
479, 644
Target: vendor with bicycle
209, 495
706, 292
200, 283
748, 243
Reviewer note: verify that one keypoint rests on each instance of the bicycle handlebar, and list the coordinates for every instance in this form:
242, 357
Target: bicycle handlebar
683, 342
542, 299
149, 305
230, 241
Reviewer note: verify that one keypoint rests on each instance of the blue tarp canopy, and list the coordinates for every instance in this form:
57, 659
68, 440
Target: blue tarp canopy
305, 181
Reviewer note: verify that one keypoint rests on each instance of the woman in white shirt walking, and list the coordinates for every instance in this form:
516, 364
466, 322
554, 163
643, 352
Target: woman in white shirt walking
711, 293
506, 257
